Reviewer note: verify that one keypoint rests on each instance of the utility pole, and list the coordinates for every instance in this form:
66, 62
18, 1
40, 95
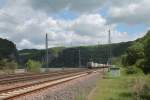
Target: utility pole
110, 52
79, 57
46, 46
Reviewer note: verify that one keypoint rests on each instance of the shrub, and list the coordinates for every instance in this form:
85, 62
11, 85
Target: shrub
12, 65
117, 61
133, 70
140, 63
33, 66
141, 88
146, 91
124, 60
8, 66
138, 87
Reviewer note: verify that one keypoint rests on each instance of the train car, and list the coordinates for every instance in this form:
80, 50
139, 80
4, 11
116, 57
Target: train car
92, 65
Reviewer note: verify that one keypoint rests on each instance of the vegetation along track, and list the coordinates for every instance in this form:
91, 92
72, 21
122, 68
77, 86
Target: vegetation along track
28, 77
22, 90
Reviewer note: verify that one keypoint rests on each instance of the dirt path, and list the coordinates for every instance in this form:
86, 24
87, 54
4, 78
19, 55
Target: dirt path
94, 90
91, 94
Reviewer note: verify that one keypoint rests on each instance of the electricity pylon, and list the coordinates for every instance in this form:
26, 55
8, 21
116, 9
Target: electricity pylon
110, 51
46, 49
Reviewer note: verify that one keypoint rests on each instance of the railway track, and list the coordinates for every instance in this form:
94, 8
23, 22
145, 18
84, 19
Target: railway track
11, 93
4, 76
30, 76
34, 81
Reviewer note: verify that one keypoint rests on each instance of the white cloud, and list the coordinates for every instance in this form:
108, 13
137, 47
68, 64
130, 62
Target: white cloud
133, 12
91, 25
53, 6
26, 43
26, 24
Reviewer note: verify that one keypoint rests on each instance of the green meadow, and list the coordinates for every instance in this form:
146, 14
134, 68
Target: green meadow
125, 87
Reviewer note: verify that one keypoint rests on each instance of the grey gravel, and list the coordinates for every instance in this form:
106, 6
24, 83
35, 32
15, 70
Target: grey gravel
77, 89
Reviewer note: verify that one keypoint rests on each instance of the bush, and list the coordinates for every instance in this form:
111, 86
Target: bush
12, 65
33, 66
117, 61
146, 91
146, 68
140, 63
133, 70
138, 87
8, 66
124, 60
141, 88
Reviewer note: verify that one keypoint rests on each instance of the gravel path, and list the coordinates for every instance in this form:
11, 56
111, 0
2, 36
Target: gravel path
77, 89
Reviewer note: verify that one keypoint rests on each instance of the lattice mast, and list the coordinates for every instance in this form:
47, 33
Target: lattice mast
110, 48
46, 49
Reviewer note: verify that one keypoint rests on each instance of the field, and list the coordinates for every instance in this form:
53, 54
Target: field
126, 87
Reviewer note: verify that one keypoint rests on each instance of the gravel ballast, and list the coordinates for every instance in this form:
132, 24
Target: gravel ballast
77, 89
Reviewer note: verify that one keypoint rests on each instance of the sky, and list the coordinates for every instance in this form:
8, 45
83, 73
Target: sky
72, 22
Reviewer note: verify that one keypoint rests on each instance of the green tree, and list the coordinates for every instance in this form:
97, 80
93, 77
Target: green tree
33, 66
134, 53
146, 67
138, 54
147, 50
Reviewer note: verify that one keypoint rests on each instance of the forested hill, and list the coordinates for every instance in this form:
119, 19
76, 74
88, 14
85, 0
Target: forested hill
7, 50
62, 56
69, 57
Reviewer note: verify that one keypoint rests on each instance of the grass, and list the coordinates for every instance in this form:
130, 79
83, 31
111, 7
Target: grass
120, 88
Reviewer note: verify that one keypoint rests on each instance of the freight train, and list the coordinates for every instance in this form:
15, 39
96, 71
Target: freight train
92, 65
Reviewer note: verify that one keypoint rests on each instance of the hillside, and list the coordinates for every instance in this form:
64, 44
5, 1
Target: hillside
38, 55
138, 54
69, 57
7, 50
